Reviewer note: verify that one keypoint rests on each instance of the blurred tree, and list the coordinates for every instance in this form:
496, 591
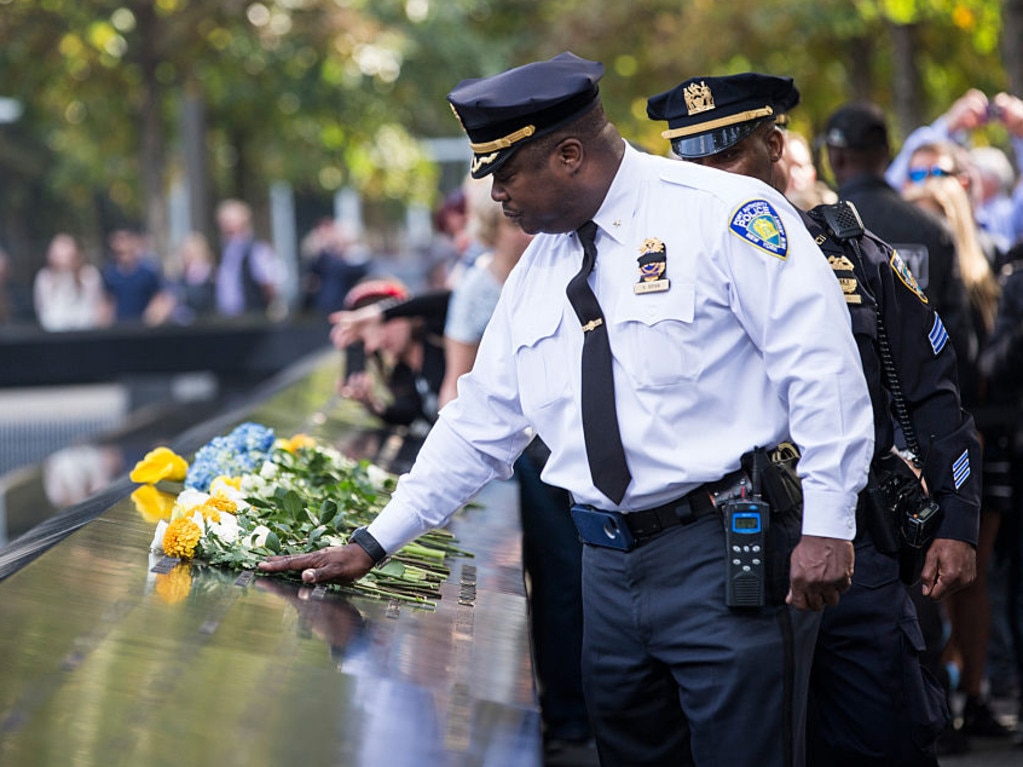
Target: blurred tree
123, 97
1012, 42
299, 90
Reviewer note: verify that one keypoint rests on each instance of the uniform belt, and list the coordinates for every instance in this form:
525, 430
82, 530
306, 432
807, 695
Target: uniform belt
681, 511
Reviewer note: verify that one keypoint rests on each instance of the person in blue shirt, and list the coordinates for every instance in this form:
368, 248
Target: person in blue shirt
132, 280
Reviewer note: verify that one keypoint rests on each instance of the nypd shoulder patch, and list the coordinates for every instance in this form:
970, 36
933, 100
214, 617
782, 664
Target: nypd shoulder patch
905, 276
759, 224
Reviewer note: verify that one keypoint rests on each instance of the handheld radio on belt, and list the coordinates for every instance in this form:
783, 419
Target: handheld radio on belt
746, 521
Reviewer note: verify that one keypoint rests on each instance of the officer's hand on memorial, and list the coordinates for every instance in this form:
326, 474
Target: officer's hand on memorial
821, 571
342, 564
950, 565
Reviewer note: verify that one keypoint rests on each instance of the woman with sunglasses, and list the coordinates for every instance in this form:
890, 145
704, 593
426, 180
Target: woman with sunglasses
940, 180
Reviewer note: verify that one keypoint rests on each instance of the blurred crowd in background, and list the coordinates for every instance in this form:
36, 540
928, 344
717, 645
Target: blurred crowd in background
971, 190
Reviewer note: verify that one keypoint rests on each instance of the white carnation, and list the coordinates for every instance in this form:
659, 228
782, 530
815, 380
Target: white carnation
226, 529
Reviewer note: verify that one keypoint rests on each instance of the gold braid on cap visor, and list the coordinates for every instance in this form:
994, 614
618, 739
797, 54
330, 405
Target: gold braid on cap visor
721, 122
505, 141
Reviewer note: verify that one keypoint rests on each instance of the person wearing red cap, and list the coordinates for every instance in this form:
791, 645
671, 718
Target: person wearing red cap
665, 321
404, 352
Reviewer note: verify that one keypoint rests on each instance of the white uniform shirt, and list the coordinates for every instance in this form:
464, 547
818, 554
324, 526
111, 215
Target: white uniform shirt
747, 347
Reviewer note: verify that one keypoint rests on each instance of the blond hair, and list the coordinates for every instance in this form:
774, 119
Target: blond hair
947, 195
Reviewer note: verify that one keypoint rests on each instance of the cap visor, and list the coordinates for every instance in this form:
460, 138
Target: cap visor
707, 144
483, 165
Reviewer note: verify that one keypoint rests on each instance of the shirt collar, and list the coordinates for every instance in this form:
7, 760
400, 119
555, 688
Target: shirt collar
619, 204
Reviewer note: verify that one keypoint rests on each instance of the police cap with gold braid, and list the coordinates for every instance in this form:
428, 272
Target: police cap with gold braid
706, 115
502, 113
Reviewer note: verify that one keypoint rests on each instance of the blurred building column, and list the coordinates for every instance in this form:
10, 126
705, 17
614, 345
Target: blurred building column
193, 139
348, 211
284, 237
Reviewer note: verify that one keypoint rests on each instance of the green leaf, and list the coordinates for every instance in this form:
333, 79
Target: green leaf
293, 504
314, 536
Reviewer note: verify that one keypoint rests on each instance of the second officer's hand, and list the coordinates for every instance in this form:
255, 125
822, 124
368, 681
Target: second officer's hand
950, 565
340, 564
821, 571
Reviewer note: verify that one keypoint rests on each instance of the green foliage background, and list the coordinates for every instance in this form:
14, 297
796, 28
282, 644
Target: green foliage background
325, 93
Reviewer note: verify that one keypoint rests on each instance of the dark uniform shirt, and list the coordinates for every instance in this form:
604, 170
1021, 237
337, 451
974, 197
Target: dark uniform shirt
1002, 360
876, 283
896, 221
1001, 365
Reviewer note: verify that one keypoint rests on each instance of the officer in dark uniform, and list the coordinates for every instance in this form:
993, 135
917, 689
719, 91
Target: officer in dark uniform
856, 137
872, 703
1001, 365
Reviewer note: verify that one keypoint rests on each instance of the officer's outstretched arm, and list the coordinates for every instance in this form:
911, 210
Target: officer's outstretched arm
342, 564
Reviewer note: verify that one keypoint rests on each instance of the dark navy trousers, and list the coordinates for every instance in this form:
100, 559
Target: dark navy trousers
674, 677
552, 559
871, 701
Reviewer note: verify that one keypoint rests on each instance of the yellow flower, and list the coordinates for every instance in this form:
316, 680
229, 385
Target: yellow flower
152, 504
161, 463
209, 512
297, 441
235, 482
181, 538
221, 502
188, 502
175, 585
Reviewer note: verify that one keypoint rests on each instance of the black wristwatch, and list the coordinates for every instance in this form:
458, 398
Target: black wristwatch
361, 536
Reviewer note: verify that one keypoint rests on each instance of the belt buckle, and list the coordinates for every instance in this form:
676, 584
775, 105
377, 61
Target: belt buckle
602, 528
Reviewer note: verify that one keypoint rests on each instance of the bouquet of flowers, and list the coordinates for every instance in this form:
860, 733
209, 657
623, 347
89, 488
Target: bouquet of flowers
250, 494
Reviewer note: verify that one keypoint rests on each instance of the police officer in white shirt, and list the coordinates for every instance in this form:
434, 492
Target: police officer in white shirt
719, 314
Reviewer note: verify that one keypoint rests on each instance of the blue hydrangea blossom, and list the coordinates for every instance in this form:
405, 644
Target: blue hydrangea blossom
243, 451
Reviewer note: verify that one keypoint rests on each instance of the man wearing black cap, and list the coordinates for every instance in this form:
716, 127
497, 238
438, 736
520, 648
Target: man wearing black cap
691, 334
871, 703
856, 137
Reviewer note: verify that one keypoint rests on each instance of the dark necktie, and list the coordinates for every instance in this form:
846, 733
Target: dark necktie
604, 449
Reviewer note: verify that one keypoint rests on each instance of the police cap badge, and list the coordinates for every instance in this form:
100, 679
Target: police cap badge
706, 115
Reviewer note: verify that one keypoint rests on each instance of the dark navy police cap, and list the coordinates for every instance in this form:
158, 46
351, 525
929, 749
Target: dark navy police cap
502, 113
859, 125
706, 115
